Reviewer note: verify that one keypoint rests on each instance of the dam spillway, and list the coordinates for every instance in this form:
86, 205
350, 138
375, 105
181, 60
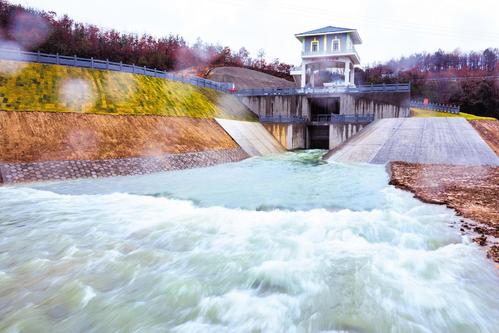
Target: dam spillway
417, 140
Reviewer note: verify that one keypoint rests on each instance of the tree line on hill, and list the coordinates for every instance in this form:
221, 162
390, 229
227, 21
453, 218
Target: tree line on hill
466, 79
470, 80
36, 30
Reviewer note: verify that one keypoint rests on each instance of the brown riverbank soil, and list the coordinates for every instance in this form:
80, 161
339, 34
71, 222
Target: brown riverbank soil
489, 131
473, 191
48, 136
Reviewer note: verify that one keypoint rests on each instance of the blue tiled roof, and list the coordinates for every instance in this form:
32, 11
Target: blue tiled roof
325, 30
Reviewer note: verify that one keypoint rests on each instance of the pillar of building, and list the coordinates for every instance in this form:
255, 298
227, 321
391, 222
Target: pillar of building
347, 72
303, 75
352, 81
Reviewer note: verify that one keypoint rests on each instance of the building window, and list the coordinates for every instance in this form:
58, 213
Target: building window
314, 46
336, 45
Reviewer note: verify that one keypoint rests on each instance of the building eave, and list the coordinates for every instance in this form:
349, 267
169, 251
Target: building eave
356, 41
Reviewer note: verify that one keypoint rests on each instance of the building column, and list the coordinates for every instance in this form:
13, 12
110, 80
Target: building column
347, 72
303, 74
352, 81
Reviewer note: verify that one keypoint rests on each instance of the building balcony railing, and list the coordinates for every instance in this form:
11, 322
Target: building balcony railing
310, 54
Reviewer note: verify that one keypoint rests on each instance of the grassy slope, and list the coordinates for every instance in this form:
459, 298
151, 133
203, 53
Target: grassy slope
428, 113
51, 88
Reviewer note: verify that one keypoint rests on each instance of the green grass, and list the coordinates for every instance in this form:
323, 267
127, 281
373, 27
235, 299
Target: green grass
421, 113
52, 88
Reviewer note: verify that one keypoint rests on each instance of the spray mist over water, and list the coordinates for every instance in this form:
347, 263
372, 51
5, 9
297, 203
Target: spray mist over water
343, 252
77, 95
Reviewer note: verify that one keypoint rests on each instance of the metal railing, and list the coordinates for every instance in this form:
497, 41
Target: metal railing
44, 58
318, 53
436, 107
398, 87
320, 118
283, 119
342, 118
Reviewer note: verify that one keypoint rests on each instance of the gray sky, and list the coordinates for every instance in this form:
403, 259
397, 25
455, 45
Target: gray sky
389, 28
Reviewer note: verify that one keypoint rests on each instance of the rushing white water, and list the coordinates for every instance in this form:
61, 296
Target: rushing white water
282, 244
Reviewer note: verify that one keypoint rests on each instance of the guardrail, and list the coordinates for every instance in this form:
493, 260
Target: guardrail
401, 87
342, 118
44, 58
436, 107
283, 119
320, 118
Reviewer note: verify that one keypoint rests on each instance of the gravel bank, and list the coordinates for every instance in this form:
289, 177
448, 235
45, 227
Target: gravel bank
473, 191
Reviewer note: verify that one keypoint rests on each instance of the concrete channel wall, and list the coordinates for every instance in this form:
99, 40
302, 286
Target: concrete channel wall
290, 136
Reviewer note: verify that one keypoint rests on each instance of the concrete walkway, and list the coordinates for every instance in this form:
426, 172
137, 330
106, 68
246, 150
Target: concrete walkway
252, 137
417, 140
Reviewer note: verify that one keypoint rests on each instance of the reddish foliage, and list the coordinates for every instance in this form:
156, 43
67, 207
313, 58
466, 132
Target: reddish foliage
67, 37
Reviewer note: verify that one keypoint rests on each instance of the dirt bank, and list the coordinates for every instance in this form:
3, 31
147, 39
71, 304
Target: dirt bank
48, 136
489, 131
245, 78
473, 191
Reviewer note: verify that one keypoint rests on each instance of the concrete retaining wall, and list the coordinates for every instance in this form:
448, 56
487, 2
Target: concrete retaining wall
290, 136
382, 105
62, 170
278, 105
339, 133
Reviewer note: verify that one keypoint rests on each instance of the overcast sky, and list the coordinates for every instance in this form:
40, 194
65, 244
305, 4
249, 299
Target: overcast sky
389, 28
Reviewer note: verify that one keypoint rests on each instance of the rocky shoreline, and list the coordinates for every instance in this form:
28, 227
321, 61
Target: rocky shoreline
472, 191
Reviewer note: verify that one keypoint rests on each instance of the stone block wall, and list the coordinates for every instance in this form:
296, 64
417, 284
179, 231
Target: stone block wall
63, 170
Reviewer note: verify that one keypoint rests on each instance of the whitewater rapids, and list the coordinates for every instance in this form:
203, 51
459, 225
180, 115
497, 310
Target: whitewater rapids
280, 244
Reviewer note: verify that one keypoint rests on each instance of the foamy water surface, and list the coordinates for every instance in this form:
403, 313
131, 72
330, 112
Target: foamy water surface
280, 244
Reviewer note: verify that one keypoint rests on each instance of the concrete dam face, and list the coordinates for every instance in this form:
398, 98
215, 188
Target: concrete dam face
318, 130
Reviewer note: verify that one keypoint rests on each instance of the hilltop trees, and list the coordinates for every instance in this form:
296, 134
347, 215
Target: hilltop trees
35, 30
470, 80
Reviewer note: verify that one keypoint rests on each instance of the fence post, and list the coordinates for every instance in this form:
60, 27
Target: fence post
107, 63
75, 60
92, 62
133, 68
57, 58
121, 66
38, 56
144, 70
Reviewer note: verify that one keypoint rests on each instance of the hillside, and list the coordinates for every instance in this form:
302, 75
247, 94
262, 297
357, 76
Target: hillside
245, 78
52, 88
